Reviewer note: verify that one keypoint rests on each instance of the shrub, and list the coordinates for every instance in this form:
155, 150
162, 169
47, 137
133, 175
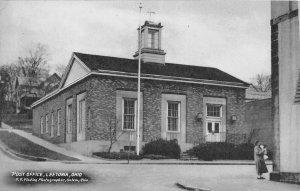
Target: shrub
118, 156
270, 154
210, 151
244, 151
155, 157
223, 150
162, 147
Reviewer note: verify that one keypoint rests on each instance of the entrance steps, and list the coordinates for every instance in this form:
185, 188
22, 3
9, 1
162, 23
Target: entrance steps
186, 156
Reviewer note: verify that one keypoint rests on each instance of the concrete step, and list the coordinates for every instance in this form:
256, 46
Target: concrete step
186, 156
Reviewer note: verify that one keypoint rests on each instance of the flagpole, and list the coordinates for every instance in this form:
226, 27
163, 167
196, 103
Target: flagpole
139, 88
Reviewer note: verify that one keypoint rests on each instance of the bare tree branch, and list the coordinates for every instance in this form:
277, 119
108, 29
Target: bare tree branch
34, 62
111, 126
262, 82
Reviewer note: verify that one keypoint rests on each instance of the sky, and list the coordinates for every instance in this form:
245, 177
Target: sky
232, 35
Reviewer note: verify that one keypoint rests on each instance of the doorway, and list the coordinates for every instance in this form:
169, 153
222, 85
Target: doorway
213, 131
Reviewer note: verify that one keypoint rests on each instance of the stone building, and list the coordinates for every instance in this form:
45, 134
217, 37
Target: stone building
189, 103
285, 90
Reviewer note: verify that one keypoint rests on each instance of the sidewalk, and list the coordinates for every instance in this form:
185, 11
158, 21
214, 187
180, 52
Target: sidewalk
169, 162
51, 146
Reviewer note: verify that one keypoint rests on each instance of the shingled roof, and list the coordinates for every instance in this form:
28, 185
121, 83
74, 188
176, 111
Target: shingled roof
96, 62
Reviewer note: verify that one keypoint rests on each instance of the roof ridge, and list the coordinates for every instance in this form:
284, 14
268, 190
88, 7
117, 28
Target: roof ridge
103, 56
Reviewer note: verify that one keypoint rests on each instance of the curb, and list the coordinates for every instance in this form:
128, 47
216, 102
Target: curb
123, 162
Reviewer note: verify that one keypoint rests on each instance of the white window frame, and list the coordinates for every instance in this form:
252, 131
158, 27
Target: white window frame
214, 121
179, 112
58, 122
52, 125
135, 113
47, 121
220, 106
42, 125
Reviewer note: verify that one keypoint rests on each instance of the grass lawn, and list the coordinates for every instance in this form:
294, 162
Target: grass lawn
24, 146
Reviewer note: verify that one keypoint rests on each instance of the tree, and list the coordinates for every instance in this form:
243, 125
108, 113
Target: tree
60, 69
13, 71
262, 82
111, 125
4, 78
34, 64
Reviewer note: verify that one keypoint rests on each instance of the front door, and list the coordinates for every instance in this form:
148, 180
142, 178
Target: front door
213, 131
69, 121
81, 117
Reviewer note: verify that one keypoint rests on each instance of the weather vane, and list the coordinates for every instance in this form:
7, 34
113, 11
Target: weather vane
150, 12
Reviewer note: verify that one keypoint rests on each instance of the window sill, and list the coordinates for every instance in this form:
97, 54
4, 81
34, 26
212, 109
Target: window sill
177, 132
129, 130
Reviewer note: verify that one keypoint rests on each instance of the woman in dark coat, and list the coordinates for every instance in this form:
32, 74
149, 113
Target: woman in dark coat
259, 160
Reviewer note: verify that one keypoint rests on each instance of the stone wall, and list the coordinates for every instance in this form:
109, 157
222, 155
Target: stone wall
258, 118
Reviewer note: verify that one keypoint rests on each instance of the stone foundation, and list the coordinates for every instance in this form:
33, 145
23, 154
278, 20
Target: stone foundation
288, 177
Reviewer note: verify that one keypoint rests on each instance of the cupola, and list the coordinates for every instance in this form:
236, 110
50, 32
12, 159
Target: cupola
151, 50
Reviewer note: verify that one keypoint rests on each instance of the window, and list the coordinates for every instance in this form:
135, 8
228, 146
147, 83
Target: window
213, 110
214, 132
47, 121
69, 118
129, 114
52, 125
173, 116
58, 122
213, 127
42, 125
152, 38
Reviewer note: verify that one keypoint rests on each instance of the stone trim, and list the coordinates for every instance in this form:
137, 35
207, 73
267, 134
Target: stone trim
80, 136
180, 135
120, 95
170, 78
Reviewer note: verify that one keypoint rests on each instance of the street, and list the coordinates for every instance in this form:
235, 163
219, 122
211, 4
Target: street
142, 177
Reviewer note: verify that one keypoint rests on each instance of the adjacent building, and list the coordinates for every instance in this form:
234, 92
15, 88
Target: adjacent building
285, 90
31, 89
98, 94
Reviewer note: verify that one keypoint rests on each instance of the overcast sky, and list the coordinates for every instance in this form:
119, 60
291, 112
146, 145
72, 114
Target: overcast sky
233, 36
